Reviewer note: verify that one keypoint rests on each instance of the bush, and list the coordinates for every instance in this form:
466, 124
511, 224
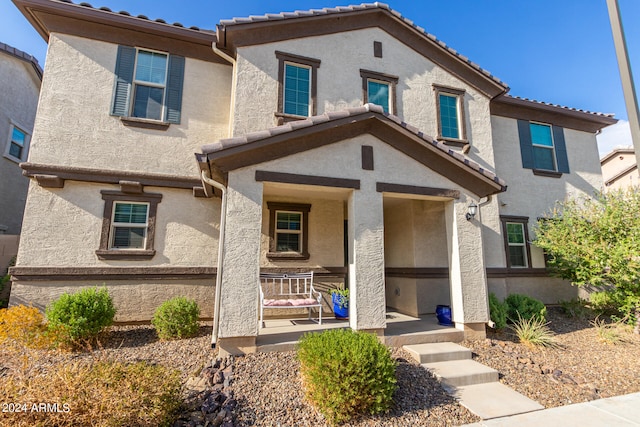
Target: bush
94, 394
525, 307
534, 332
81, 316
603, 303
346, 373
576, 308
24, 326
177, 318
498, 311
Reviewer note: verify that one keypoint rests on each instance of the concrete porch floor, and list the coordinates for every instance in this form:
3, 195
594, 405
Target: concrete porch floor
283, 334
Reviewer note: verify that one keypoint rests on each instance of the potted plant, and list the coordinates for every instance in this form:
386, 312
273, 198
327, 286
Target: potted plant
340, 299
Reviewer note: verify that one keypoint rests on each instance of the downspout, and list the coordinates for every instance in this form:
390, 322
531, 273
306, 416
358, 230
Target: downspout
232, 61
481, 203
223, 215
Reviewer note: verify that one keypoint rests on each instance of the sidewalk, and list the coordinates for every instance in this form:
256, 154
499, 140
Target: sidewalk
614, 411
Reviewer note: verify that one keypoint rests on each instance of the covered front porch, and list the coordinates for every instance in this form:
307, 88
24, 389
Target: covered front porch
401, 329
357, 192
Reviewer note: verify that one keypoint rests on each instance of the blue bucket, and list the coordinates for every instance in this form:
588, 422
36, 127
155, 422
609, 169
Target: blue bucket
443, 313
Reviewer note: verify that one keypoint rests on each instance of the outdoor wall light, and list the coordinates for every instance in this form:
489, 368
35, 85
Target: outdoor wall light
471, 213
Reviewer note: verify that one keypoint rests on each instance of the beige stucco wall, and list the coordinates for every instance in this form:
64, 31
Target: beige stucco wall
74, 126
616, 165
19, 89
340, 84
549, 290
135, 300
63, 228
533, 196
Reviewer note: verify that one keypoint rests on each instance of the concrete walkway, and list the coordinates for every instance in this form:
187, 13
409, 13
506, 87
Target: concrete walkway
614, 411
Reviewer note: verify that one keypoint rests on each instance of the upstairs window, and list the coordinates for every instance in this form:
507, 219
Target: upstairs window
297, 86
297, 89
543, 148
379, 89
148, 85
542, 142
450, 106
17, 144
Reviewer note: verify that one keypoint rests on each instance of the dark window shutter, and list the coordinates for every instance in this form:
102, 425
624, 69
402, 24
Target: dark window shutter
125, 62
561, 149
526, 149
174, 89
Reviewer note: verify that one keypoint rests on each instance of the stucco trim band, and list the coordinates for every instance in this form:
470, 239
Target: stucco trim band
385, 187
110, 273
55, 173
500, 272
417, 273
291, 178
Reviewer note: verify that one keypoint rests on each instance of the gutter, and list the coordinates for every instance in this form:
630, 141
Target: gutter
223, 215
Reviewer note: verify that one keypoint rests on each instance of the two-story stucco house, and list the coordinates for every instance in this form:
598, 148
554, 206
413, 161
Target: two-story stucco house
346, 141
20, 79
619, 168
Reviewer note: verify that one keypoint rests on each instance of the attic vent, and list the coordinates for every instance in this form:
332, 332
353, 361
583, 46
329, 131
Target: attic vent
377, 49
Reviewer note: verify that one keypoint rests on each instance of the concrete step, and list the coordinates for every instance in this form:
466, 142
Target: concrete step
399, 339
457, 373
438, 352
493, 400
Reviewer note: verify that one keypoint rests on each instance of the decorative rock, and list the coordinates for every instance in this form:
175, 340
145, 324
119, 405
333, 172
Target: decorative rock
218, 378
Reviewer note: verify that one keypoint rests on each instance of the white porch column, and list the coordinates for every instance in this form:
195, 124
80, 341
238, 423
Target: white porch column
467, 273
366, 261
241, 265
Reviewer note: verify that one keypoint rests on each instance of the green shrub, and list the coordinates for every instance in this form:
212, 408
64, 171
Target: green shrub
81, 316
346, 373
177, 318
534, 332
498, 311
525, 307
576, 308
603, 303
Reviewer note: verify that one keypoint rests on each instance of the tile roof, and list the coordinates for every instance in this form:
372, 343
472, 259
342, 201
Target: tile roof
23, 56
227, 143
143, 17
564, 107
354, 8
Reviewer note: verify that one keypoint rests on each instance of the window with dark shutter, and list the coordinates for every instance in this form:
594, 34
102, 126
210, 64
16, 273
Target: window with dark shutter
148, 85
543, 148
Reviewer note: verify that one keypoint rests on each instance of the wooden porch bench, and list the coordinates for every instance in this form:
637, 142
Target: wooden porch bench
289, 290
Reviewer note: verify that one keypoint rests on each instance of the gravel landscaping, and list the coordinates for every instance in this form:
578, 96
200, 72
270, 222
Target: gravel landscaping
266, 388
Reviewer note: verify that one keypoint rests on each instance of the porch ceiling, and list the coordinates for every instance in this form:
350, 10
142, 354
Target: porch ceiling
305, 191
295, 137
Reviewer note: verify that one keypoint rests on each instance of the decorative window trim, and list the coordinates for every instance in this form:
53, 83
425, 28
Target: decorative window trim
25, 148
291, 207
459, 95
125, 85
304, 61
389, 79
110, 197
524, 220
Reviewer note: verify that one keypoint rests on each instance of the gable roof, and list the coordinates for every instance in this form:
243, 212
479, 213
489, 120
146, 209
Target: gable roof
620, 149
24, 56
299, 136
270, 28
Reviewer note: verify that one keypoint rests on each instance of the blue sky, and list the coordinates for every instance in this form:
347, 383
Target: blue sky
557, 51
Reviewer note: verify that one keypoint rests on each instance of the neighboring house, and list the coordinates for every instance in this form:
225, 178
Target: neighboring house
619, 169
379, 196
20, 80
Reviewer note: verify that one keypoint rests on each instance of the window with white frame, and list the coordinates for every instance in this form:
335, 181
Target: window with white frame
543, 147
17, 144
150, 80
297, 89
379, 89
450, 106
129, 225
288, 230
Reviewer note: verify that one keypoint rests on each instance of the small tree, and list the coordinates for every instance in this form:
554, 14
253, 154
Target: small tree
596, 241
